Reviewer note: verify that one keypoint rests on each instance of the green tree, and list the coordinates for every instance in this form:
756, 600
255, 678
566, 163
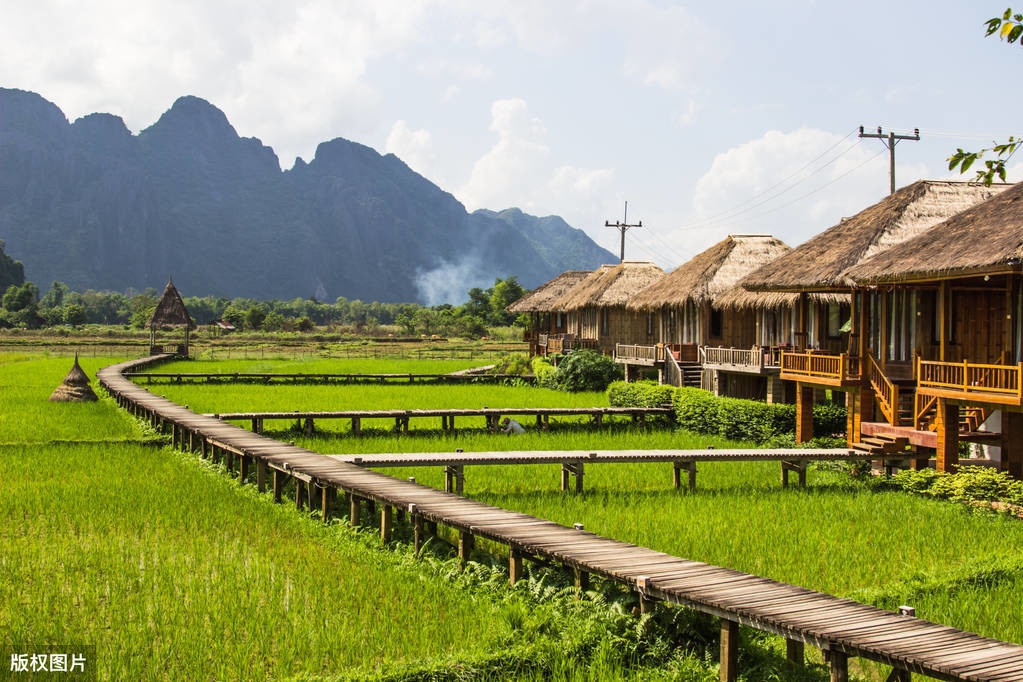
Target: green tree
504, 293
54, 298
1009, 28
21, 306
11, 271
255, 316
74, 314
234, 315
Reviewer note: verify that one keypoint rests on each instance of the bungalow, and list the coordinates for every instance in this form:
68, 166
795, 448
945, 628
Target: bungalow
819, 266
544, 320
944, 312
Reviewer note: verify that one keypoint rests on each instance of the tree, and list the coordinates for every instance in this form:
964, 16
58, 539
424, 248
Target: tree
505, 292
1009, 28
11, 271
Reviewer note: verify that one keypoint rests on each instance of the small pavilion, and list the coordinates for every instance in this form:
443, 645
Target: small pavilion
170, 313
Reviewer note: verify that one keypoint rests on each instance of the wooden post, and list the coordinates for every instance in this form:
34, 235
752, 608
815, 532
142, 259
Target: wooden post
729, 668
1012, 444
356, 426
354, 509
947, 422
899, 675
465, 545
327, 496
454, 479
386, 519
804, 412
261, 470
243, 468
514, 565
839, 664
417, 529
581, 579
676, 473
794, 654
301, 494
278, 484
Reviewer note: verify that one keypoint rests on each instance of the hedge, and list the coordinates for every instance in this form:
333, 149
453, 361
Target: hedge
639, 394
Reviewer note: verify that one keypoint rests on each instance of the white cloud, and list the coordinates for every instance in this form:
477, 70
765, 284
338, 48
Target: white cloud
520, 170
792, 185
414, 147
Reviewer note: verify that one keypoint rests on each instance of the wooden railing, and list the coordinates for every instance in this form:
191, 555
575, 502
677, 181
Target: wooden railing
820, 366
922, 407
885, 391
753, 358
967, 381
541, 340
672, 372
651, 354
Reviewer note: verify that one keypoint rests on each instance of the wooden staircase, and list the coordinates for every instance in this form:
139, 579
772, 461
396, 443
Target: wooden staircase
692, 374
882, 444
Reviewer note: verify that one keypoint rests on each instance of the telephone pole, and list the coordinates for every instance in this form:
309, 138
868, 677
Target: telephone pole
890, 141
623, 226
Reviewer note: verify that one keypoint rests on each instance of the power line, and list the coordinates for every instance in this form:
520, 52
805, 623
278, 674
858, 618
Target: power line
623, 227
889, 141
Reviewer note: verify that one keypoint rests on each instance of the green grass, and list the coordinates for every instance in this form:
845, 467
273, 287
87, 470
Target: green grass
178, 574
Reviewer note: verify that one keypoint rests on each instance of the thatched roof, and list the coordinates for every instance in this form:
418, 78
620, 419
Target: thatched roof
170, 310
986, 238
818, 264
610, 285
75, 388
740, 298
541, 299
711, 273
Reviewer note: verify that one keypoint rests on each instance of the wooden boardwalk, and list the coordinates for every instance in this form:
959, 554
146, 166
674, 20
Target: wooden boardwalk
492, 416
573, 462
839, 627
315, 378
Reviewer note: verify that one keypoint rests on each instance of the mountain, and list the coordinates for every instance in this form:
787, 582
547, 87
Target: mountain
90, 204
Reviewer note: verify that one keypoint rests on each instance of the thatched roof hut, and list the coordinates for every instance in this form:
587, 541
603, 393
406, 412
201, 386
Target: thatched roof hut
819, 264
75, 388
711, 273
542, 299
610, 285
170, 311
982, 240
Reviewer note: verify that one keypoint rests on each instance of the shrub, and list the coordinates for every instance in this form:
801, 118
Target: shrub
512, 363
586, 370
750, 420
638, 394
544, 372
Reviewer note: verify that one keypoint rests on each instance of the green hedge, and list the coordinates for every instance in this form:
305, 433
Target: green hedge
700, 411
639, 394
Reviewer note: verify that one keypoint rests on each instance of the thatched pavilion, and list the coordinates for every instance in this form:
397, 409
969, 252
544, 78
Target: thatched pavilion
544, 319
75, 388
954, 295
170, 313
819, 266
596, 307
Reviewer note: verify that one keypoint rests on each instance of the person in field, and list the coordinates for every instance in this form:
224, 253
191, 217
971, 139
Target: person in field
511, 426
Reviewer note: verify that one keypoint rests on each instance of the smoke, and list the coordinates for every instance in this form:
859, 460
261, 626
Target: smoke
451, 282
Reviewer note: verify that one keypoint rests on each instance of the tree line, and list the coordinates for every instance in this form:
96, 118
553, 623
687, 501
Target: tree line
22, 306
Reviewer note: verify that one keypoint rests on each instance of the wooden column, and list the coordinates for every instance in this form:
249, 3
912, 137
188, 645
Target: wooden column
386, 521
454, 479
944, 313
354, 510
301, 494
839, 664
794, 654
243, 468
1012, 444
279, 478
466, 542
261, 471
327, 496
678, 468
514, 565
859, 405
947, 422
418, 532
804, 412
729, 650
581, 579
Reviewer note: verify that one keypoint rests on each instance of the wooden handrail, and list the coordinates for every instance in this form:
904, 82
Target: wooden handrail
885, 391
820, 365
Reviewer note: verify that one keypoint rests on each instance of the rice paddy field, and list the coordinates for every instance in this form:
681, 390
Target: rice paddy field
147, 553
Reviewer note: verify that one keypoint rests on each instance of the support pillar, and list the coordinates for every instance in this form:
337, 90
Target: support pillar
327, 496
386, 521
859, 405
676, 474
804, 412
794, 654
261, 471
354, 510
466, 542
1012, 444
514, 565
729, 650
775, 390
947, 422
278, 484
839, 664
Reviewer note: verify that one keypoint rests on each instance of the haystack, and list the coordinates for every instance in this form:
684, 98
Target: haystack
75, 388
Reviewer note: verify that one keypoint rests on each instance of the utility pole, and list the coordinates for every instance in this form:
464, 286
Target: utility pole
623, 226
890, 141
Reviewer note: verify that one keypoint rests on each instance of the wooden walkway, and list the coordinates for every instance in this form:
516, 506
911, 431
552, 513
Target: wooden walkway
492, 416
573, 462
839, 627
314, 378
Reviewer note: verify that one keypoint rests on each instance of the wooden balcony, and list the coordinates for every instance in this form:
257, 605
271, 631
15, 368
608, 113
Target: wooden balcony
745, 360
821, 368
647, 356
971, 383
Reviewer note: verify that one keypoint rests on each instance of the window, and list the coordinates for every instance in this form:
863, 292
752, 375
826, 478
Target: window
834, 321
716, 324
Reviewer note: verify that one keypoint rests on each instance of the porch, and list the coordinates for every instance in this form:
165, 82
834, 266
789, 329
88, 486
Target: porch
821, 368
754, 360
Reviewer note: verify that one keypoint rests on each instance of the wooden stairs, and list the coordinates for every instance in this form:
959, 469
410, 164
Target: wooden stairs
692, 374
882, 444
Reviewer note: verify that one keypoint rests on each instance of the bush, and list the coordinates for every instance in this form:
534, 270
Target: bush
638, 394
512, 363
586, 370
544, 372
698, 410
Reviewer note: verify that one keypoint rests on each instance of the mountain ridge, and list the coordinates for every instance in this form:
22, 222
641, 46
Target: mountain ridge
95, 206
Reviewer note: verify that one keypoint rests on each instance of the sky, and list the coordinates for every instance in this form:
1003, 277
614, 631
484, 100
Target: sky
697, 119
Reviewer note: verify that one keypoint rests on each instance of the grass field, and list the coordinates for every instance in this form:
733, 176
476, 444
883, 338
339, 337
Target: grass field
170, 556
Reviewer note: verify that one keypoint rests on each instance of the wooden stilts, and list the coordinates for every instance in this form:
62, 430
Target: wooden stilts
354, 509
466, 542
839, 664
278, 484
514, 565
327, 496
261, 470
386, 521
729, 668
794, 653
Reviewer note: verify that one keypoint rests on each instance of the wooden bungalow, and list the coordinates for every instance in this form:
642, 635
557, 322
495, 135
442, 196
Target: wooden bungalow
170, 314
944, 314
820, 361
595, 309
693, 329
544, 320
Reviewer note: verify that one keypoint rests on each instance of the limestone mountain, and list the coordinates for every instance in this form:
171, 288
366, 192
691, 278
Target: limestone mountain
90, 204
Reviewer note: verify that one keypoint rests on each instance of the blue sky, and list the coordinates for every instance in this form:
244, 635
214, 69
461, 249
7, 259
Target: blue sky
708, 118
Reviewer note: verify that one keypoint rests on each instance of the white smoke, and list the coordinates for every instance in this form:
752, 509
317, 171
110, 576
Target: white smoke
451, 282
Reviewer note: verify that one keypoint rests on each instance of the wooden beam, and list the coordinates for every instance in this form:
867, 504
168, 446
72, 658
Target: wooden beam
514, 565
794, 654
804, 412
386, 521
947, 422
839, 664
729, 667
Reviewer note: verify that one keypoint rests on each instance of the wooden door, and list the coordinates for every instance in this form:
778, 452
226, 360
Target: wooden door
980, 325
